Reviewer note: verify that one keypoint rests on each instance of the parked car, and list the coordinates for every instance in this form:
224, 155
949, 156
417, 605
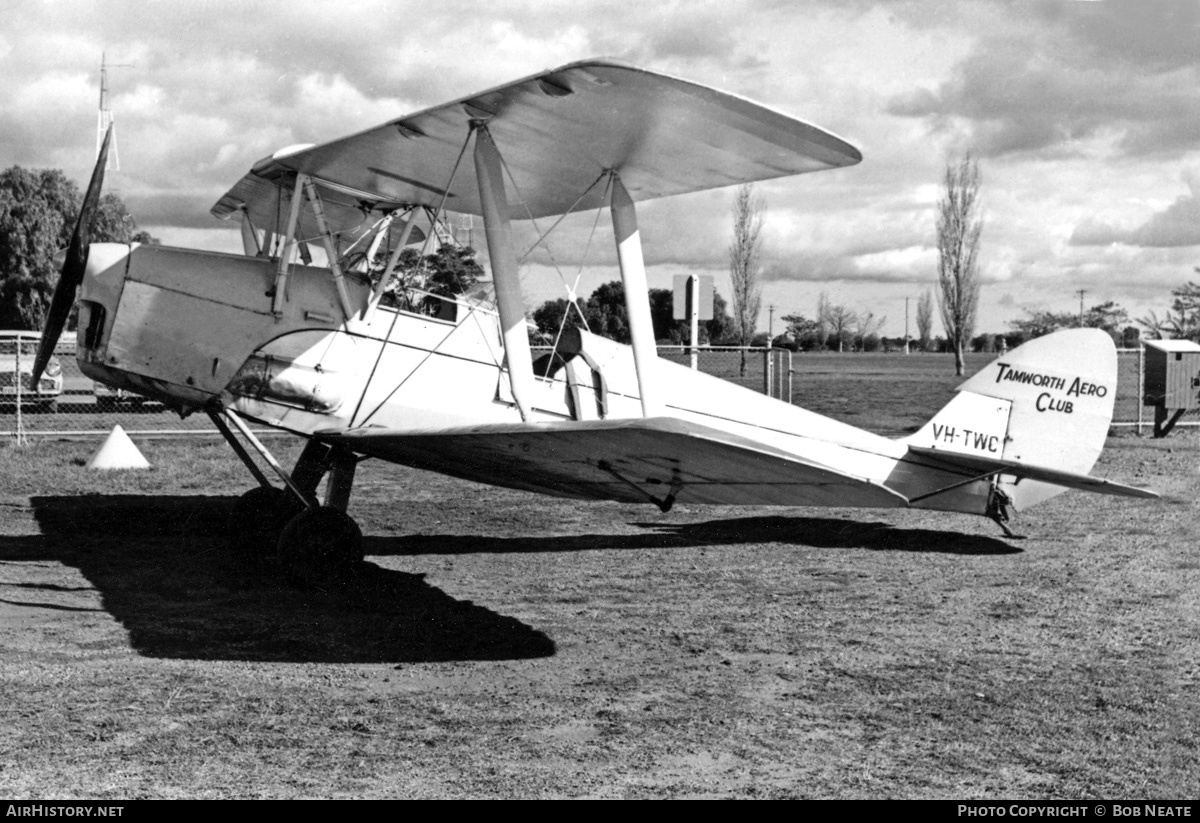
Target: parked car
18, 349
107, 396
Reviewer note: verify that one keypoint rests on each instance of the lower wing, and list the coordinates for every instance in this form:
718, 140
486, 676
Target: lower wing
658, 460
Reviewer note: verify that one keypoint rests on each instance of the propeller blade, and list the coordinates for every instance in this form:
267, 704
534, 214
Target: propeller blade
73, 267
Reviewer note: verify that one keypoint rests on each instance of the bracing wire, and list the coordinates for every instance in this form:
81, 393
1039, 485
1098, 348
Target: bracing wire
605, 175
572, 293
392, 326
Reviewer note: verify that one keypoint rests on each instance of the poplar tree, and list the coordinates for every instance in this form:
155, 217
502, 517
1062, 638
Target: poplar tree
959, 227
745, 251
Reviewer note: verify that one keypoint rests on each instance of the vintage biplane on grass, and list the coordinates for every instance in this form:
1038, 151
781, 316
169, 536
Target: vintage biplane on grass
362, 366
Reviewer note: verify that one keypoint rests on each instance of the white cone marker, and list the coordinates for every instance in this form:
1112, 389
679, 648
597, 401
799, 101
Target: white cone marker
118, 452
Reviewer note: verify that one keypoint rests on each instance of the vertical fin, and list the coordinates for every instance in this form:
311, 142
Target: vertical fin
1047, 403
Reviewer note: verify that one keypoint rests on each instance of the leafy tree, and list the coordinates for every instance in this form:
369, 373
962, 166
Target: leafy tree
1040, 323
38, 209
549, 316
959, 227
449, 271
1107, 316
35, 211
983, 343
786, 341
1182, 321
804, 331
114, 223
607, 316
867, 326
666, 327
662, 317
840, 322
721, 326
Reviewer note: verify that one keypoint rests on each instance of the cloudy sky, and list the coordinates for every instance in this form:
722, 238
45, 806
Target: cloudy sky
1085, 118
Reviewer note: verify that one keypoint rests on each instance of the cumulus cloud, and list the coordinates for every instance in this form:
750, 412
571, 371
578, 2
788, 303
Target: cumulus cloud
1176, 225
1067, 74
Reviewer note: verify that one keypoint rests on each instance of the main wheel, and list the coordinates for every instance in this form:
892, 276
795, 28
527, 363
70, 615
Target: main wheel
259, 517
320, 542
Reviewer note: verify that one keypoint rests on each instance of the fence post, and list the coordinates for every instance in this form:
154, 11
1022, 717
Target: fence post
1141, 381
790, 356
17, 375
767, 371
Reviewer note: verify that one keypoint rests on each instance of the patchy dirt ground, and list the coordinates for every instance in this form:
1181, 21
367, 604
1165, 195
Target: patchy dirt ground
498, 644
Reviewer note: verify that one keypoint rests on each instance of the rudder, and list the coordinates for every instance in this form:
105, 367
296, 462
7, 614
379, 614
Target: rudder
1047, 403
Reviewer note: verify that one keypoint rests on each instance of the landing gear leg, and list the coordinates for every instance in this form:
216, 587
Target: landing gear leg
260, 514
999, 508
313, 541
323, 541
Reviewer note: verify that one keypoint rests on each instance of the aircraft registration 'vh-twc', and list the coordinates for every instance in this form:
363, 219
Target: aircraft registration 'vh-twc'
448, 383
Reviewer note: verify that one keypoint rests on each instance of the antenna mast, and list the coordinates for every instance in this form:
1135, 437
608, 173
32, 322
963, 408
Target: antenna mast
106, 116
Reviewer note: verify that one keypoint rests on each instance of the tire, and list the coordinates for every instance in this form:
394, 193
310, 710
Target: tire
319, 544
259, 517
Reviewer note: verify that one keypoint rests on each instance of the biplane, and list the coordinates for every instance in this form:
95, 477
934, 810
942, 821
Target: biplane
311, 331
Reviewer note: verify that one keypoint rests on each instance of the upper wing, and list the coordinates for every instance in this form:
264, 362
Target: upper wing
558, 131
634, 460
265, 194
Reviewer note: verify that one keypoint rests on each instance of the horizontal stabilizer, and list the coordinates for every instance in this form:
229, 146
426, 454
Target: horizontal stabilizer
1070, 480
639, 460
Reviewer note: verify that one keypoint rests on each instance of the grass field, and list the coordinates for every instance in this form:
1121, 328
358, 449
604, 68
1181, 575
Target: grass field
498, 644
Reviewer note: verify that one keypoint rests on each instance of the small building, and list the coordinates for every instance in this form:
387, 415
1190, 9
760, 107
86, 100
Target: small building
1171, 380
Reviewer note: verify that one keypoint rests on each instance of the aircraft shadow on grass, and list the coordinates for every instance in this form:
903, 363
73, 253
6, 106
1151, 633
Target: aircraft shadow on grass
815, 532
164, 569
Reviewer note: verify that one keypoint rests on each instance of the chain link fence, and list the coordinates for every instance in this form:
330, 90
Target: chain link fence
87, 409
764, 370
1129, 410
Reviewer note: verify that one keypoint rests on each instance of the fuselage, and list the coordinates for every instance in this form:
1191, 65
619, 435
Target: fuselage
193, 328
